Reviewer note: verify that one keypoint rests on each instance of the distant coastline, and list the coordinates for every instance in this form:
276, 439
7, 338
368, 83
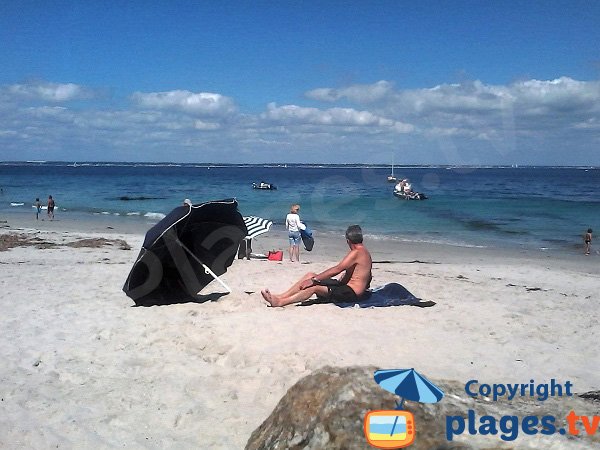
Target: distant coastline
284, 165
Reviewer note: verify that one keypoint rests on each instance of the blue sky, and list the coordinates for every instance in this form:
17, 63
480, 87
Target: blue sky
446, 82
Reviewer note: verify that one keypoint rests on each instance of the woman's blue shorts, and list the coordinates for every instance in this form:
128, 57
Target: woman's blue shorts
294, 237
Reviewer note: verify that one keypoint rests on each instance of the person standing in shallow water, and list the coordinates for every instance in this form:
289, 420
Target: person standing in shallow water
50, 207
587, 239
38, 208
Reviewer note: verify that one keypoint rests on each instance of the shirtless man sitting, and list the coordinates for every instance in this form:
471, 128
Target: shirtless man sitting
356, 266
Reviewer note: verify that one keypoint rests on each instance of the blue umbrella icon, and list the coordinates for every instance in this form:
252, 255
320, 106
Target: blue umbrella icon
408, 384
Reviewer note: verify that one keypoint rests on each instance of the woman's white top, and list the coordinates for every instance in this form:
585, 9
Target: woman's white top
292, 222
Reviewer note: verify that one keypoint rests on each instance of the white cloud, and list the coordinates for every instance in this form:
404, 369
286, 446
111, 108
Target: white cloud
562, 96
590, 124
201, 125
202, 103
360, 93
482, 122
46, 111
297, 115
453, 98
533, 97
50, 92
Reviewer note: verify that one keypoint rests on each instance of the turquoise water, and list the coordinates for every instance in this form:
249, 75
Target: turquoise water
545, 208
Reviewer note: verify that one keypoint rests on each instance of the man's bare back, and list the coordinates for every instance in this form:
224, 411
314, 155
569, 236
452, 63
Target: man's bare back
358, 275
356, 266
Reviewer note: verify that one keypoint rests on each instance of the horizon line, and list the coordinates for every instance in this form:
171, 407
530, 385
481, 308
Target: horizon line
285, 164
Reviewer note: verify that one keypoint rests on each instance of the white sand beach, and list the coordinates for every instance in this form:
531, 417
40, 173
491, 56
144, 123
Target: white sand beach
83, 368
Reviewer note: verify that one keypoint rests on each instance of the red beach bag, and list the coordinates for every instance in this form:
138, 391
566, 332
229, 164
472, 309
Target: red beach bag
275, 255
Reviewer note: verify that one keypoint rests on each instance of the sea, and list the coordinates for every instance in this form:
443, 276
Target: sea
541, 208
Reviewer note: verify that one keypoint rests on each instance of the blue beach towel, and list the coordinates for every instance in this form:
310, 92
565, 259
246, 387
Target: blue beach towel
307, 238
391, 294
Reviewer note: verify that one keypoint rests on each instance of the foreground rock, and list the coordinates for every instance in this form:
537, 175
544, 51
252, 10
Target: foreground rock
325, 410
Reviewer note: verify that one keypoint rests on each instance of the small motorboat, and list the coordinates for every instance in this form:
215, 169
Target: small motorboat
263, 185
404, 191
410, 195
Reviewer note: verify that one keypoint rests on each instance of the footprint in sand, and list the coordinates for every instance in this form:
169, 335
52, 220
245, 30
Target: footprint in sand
215, 352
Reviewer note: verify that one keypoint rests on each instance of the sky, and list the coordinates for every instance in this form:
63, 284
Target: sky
427, 82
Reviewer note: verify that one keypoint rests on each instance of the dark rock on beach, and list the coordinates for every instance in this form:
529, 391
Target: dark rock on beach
99, 243
12, 240
325, 410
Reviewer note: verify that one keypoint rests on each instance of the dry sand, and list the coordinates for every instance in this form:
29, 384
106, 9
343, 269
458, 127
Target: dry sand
83, 368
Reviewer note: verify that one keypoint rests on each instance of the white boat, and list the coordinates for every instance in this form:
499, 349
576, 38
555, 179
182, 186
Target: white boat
263, 185
391, 178
410, 196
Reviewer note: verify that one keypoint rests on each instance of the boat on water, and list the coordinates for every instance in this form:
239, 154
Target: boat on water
404, 191
410, 195
391, 178
265, 186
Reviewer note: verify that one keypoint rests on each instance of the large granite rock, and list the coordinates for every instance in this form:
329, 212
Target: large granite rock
325, 410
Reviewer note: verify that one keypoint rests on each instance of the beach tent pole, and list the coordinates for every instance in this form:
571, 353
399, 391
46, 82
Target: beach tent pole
206, 269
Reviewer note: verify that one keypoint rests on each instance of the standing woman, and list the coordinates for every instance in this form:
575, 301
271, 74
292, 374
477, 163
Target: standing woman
51, 205
292, 223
